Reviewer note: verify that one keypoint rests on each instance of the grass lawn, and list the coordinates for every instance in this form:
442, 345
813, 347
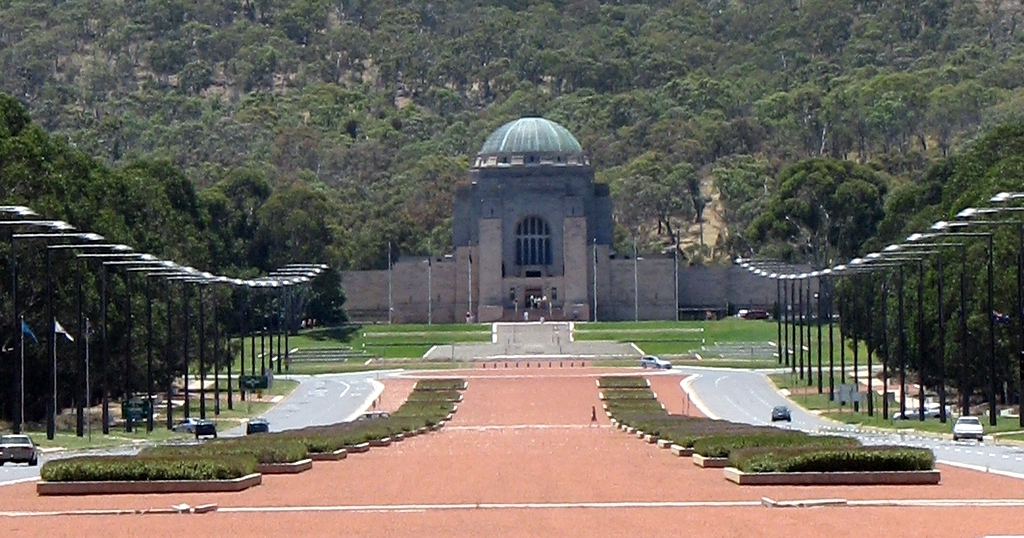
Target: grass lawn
1013, 436
846, 415
118, 436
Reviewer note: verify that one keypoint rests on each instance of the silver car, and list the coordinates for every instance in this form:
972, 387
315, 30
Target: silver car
18, 449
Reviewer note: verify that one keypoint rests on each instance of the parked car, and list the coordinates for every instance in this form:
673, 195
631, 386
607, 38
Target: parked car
18, 449
186, 426
967, 428
931, 410
370, 415
205, 428
753, 314
781, 412
257, 425
653, 361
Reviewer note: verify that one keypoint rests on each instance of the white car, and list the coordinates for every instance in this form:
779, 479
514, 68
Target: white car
652, 361
18, 449
967, 428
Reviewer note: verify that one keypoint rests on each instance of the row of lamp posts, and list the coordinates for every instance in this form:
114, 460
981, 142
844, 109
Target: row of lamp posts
25, 225
889, 263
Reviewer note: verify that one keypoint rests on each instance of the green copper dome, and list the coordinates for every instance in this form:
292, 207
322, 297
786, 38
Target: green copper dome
530, 135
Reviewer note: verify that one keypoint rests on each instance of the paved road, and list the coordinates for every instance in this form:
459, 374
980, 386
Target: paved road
318, 400
323, 399
746, 396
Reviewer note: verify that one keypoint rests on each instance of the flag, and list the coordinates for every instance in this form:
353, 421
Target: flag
26, 330
59, 329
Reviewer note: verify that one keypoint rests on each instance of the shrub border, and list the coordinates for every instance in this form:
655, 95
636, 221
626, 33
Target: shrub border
843, 478
285, 468
155, 486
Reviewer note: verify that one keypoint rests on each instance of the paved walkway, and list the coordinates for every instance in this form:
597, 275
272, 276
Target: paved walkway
532, 340
521, 458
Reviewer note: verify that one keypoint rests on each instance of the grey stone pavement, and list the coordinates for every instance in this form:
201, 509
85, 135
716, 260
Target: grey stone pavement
551, 339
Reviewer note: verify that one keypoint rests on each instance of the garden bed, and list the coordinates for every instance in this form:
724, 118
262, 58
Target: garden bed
709, 462
285, 468
117, 487
335, 455
864, 478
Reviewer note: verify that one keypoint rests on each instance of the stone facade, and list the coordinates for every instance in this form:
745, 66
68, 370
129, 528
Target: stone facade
532, 235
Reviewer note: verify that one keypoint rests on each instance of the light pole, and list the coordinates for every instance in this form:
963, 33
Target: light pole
944, 228
51, 414
142, 260
79, 409
52, 225
168, 269
970, 213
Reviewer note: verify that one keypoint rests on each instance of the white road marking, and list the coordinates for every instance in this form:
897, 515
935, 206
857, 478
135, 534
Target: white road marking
19, 481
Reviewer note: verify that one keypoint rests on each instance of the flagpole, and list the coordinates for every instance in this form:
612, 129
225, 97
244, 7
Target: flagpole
54, 366
88, 395
21, 384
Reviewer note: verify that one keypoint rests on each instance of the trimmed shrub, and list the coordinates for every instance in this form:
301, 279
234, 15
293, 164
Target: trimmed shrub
433, 396
622, 408
628, 394
622, 382
720, 445
266, 448
824, 459
141, 468
440, 384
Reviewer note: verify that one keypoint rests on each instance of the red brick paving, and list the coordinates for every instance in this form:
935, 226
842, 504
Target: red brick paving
525, 437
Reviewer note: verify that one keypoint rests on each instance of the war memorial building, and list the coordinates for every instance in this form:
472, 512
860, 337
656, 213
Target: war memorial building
532, 239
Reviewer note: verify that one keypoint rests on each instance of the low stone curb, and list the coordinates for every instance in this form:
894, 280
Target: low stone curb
651, 439
706, 462
398, 437
896, 478
681, 451
294, 467
356, 449
155, 486
664, 443
339, 454
380, 442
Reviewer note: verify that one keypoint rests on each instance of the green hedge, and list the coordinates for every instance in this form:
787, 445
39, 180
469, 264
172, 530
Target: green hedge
622, 382
628, 394
440, 384
822, 459
141, 468
722, 444
624, 408
266, 448
433, 396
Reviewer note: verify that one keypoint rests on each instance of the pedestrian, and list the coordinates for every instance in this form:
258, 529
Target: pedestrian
593, 415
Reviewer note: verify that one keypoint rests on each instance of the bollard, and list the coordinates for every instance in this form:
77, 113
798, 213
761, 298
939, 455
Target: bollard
517, 364
572, 364
559, 364
549, 364
506, 365
527, 364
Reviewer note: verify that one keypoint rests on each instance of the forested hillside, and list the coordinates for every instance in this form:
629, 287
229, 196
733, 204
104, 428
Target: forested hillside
359, 115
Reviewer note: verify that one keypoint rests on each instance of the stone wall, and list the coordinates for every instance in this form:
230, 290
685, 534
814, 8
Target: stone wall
722, 289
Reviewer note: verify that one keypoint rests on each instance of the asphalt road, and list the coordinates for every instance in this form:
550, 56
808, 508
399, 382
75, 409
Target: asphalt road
746, 396
323, 399
318, 400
